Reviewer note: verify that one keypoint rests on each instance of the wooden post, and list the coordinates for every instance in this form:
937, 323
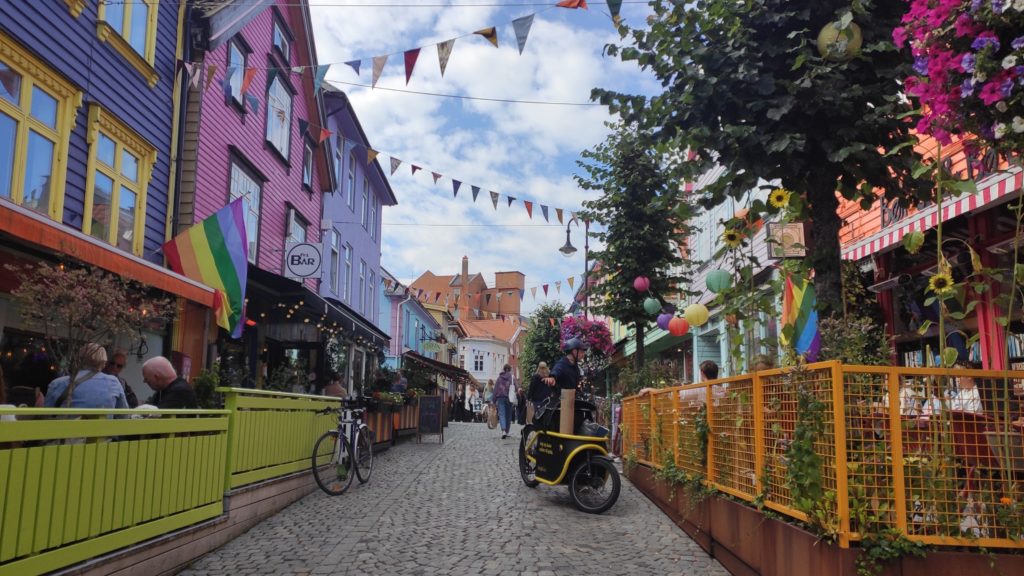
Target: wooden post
568, 412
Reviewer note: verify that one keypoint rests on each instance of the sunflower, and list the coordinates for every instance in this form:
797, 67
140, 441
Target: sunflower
779, 198
941, 284
732, 238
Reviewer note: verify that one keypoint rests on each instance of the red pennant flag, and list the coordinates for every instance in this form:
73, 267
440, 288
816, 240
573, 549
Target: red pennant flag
558, 212
250, 73
324, 135
574, 4
545, 287
410, 63
529, 208
552, 321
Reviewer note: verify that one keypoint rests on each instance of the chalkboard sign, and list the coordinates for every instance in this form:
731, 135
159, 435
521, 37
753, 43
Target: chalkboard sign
430, 417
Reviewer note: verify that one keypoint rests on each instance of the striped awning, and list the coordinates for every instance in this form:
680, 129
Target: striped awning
989, 190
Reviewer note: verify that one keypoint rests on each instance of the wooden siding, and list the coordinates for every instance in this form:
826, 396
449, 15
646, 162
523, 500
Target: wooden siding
70, 46
222, 126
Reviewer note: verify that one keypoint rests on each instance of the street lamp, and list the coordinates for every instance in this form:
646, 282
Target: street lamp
568, 250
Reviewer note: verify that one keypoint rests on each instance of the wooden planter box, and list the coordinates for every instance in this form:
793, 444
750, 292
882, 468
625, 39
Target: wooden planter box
748, 543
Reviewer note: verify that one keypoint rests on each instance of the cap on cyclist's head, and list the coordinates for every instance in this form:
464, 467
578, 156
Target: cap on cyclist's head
573, 344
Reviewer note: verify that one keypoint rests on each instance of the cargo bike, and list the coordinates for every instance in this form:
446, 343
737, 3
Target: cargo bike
579, 460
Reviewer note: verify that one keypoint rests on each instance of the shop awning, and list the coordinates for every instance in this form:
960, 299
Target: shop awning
30, 227
454, 372
989, 190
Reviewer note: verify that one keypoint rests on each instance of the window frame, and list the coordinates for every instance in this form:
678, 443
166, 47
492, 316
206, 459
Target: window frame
106, 32
369, 295
307, 165
284, 155
255, 208
365, 212
35, 72
362, 286
280, 28
348, 275
233, 99
478, 361
294, 219
125, 140
352, 181
335, 279
373, 219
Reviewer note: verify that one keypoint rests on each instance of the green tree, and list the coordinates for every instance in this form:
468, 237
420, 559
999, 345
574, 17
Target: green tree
638, 229
542, 341
747, 93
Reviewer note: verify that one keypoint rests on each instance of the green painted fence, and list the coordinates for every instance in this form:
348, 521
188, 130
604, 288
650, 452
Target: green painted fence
75, 484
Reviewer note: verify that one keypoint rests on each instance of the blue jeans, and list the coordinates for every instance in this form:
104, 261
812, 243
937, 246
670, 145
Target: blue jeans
504, 414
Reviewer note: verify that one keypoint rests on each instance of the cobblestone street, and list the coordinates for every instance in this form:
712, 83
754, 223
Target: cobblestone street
459, 508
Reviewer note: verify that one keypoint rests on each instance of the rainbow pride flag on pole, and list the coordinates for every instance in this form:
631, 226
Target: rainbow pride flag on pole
800, 319
216, 253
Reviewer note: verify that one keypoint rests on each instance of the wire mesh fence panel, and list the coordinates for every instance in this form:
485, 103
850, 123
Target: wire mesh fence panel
636, 424
663, 429
778, 424
732, 433
692, 437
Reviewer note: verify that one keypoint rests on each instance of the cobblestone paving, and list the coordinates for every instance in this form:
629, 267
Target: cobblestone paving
459, 508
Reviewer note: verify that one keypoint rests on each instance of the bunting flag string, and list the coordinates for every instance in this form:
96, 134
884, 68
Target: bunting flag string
522, 29
490, 33
410, 63
455, 188
378, 68
529, 208
494, 199
395, 163
570, 280
436, 176
511, 199
544, 211
558, 286
533, 292
558, 212
444, 52
476, 190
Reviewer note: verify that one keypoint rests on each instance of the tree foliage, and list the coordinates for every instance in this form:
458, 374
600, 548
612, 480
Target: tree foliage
747, 93
638, 228
542, 340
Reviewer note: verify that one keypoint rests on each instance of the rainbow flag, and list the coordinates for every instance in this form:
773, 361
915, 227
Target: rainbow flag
800, 319
216, 253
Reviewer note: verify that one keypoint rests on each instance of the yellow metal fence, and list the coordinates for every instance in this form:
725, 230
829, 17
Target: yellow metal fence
852, 449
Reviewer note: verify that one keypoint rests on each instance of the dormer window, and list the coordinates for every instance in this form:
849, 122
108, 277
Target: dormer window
282, 43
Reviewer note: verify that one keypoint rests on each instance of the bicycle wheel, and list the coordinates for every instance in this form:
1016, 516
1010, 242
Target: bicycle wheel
594, 484
526, 468
364, 454
332, 464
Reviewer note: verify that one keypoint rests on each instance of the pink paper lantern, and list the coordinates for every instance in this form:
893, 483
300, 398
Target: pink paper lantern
678, 326
641, 284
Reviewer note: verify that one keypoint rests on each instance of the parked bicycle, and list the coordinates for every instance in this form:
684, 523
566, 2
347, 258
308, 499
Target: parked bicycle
344, 453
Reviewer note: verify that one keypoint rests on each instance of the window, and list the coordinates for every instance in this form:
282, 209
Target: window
462, 361
352, 180
373, 219
37, 113
245, 185
335, 260
279, 115
296, 226
347, 296
120, 163
362, 286
478, 361
130, 28
236, 66
337, 164
366, 201
281, 41
369, 296
307, 166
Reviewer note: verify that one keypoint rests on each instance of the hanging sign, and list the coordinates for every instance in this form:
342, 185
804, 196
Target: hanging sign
302, 260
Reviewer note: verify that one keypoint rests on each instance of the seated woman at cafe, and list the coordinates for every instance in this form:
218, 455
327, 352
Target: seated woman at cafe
910, 399
93, 388
966, 398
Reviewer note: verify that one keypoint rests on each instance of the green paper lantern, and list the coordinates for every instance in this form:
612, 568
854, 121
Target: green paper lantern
696, 314
652, 305
718, 281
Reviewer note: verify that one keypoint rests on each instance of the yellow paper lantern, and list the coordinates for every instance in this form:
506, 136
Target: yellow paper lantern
696, 314
838, 45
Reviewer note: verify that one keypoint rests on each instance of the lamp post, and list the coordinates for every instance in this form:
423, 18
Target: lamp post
568, 250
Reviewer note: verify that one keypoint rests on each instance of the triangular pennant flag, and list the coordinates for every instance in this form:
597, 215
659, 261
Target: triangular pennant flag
613, 7
247, 77
296, 69
455, 188
522, 28
414, 169
410, 63
488, 298
371, 155
188, 66
522, 294
558, 212
476, 190
552, 321
271, 74
419, 292
436, 176
544, 211
321, 73
572, 216
570, 280
558, 286
490, 33
511, 199
253, 103
387, 283
303, 127
395, 163
225, 86
196, 78
210, 71
572, 4
545, 287
355, 65
324, 135
444, 51
378, 67
533, 292
494, 199
529, 208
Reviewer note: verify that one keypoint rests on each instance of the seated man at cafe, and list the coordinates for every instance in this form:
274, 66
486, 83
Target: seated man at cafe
169, 390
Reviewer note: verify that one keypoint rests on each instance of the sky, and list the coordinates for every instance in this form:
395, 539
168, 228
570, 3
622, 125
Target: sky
528, 151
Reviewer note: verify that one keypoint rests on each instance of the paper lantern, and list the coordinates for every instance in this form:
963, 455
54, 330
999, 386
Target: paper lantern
641, 284
718, 280
838, 45
678, 326
652, 305
696, 314
663, 320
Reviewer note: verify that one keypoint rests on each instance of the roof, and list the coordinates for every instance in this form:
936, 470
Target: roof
494, 329
431, 283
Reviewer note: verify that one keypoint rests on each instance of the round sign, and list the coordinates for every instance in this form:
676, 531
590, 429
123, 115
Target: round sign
302, 260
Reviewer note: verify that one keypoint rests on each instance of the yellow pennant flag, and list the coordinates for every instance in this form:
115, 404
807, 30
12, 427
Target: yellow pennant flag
490, 33
570, 280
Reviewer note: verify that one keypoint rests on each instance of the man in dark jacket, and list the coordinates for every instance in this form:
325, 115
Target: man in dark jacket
566, 373
170, 391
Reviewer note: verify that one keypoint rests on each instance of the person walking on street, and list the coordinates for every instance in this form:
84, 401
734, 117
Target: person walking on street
539, 391
502, 388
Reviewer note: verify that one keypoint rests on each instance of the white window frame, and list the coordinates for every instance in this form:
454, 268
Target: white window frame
352, 181
366, 200
373, 219
335, 260
307, 165
347, 296
478, 362
252, 214
285, 46
362, 285
296, 223
278, 131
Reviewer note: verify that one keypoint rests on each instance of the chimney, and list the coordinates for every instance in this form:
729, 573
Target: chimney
464, 300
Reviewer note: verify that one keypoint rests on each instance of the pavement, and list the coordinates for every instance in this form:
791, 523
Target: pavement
459, 508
